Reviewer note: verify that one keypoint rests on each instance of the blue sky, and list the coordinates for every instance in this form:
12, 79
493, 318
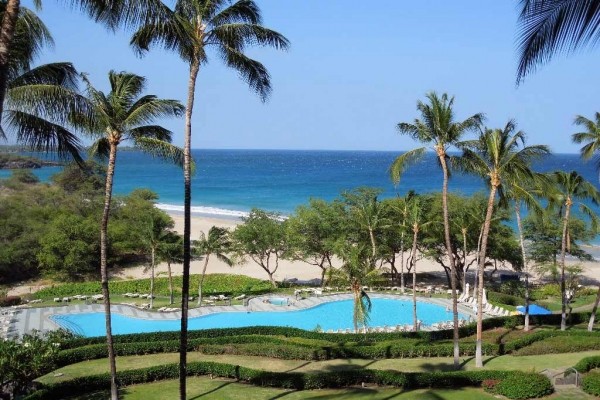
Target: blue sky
355, 69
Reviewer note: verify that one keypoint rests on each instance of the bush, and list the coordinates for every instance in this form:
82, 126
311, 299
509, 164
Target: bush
545, 291
561, 344
502, 298
587, 364
8, 301
524, 386
591, 383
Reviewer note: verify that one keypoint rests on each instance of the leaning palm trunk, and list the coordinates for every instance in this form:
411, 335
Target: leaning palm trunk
481, 267
594, 309
402, 284
202, 280
455, 337
153, 261
185, 285
523, 254
7, 32
103, 269
414, 276
170, 283
563, 253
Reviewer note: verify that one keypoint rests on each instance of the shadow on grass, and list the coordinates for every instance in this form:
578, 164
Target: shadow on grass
299, 366
213, 390
99, 395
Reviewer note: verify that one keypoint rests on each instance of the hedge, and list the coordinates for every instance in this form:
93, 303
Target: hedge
523, 386
276, 347
503, 298
296, 380
561, 344
591, 383
587, 364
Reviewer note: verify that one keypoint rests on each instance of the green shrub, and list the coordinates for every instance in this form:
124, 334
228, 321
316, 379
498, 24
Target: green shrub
508, 299
8, 301
524, 386
591, 383
588, 363
561, 344
545, 291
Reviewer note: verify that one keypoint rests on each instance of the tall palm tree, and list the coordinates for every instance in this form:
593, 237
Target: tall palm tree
547, 27
499, 156
216, 243
159, 232
438, 128
39, 100
124, 115
415, 219
191, 29
570, 187
591, 148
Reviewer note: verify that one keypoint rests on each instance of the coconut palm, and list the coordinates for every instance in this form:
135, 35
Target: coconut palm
216, 243
159, 233
438, 128
556, 26
191, 29
124, 115
569, 188
590, 138
356, 271
415, 219
39, 100
499, 156
170, 251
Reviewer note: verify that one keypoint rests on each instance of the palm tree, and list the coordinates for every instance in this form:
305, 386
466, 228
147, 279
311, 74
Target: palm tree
118, 116
438, 128
159, 232
500, 157
193, 27
216, 242
415, 217
570, 186
550, 27
39, 100
170, 251
590, 137
356, 271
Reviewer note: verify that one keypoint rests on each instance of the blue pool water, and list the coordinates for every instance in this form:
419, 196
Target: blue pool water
333, 315
534, 309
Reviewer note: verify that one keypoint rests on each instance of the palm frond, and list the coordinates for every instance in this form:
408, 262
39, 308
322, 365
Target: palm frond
549, 27
251, 71
60, 74
160, 149
403, 161
239, 35
99, 149
241, 11
148, 108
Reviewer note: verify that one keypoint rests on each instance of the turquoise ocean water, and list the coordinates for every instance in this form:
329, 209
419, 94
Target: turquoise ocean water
228, 183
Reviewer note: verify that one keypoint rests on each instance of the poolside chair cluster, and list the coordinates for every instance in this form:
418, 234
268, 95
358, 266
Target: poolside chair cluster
488, 308
211, 300
168, 309
68, 299
448, 324
141, 296
310, 291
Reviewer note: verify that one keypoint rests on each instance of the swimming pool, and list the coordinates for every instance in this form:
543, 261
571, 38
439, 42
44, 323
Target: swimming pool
332, 315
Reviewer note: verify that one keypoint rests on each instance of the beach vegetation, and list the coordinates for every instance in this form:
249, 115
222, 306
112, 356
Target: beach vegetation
438, 128
499, 156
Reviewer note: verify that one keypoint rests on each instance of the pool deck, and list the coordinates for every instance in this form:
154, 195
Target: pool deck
27, 320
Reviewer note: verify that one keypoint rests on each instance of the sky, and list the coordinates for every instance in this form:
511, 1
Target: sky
355, 69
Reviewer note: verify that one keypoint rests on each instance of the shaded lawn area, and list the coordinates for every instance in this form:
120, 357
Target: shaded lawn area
506, 362
207, 389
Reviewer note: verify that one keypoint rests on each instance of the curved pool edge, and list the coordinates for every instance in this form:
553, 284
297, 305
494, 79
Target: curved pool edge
41, 318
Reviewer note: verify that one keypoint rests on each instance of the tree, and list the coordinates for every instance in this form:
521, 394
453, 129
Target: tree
190, 30
170, 250
550, 27
438, 128
216, 243
416, 209
394, 233
570, 187
499, 156
118, 116
590, 137
158, 232
312, 233
262, 238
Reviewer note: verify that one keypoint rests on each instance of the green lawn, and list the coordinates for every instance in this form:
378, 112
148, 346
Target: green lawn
206, 389
506, 362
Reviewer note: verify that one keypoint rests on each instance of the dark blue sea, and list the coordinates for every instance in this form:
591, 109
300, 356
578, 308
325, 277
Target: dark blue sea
228, 183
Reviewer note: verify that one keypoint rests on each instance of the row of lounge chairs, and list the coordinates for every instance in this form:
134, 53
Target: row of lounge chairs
67, 299
168, 309
488, 308
141, 296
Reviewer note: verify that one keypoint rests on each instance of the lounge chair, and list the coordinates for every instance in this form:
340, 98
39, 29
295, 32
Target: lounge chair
243, 296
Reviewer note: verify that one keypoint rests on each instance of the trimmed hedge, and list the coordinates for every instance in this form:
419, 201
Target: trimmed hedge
503, 298
524, 386
591, 383
295, 380
561, 344
587, 364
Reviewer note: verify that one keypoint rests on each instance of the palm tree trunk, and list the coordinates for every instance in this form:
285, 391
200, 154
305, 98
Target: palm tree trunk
7, 32
402, 284
522, 243
455, 337
187, 201
170, 283
414, 276
594, 309
202, 280
110, 172
481, 267
464, 277
563, 254
152, 278
373, 243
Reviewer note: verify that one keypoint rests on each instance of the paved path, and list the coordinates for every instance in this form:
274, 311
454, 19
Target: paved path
26, 320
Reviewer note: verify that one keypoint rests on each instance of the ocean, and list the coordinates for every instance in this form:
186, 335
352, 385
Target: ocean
229, 183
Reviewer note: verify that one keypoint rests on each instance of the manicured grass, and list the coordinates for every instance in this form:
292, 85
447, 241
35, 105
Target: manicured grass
205, 388
554, 303
506, 362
